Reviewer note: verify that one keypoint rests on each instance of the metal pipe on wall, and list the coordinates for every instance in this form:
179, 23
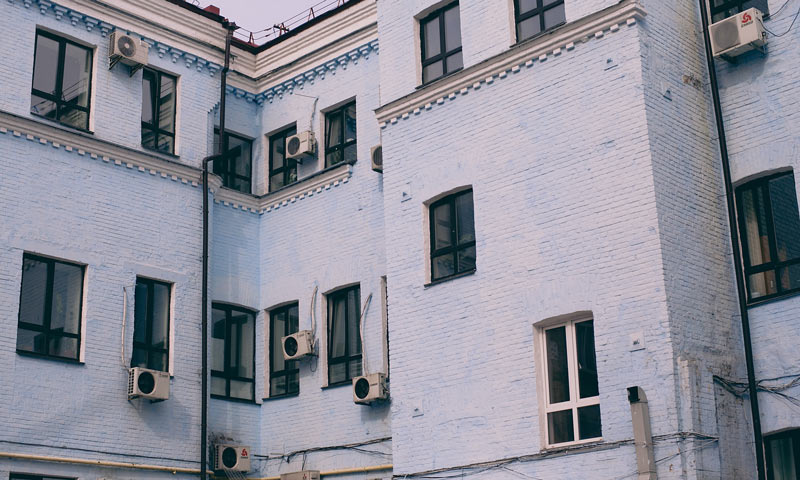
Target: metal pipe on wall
737, 257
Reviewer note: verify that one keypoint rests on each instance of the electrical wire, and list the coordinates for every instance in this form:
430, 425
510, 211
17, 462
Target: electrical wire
361, 334
787, 30
778, 11
266, 34
287, 457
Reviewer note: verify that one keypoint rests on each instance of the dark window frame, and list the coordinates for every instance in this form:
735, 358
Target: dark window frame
774, 264
444, 54
291, 367
57, 96
454, 247
46, 320
288, 165
31, 476
347, 357
735, 5
225, 167
794, 434
155, 105
539, 10
227, 375
148, 346
342, 145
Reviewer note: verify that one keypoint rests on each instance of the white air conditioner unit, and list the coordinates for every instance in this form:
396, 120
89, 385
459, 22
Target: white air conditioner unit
304, 475
376, 153
300, 145
128, 50
145, 383
370, 388
738, 34
298, 345
234, 458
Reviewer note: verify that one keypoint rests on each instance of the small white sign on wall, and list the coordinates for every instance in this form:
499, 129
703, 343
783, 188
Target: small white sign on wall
637, 341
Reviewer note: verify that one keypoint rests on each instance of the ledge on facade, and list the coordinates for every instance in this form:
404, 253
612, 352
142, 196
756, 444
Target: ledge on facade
41, 356
450, 278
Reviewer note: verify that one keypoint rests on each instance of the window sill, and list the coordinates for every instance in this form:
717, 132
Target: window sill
42, 356
64, 126
570, 447
539, 35
437, 80
280, 397
236, 400
169, 156
451, 277
783, 296
337, 385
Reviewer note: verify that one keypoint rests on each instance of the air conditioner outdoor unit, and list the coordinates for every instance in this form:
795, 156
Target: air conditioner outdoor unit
738, 34
145, 383
370, 388
128, 50
376, 153
298, 345
234, 458
300, 145
304, 475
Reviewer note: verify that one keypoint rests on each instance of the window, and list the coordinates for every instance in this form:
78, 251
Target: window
233, 344
235, 168
158, 111
344, 338
26, 476
536, 16
570, 371
441, 43
283, 374
769, 226
151, 325
50, 305
282, 170
783, 453
722, 9
340, 135
452, 236
62, 73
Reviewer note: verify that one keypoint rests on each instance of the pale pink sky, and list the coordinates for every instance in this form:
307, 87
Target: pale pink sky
256, 15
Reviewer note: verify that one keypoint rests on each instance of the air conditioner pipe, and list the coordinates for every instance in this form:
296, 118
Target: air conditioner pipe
230, 27
737, 256
642, 435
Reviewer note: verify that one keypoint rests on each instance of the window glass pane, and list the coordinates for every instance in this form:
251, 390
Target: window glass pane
278, 332
218, 386
140, 314
353, 314
350, 153
218, 340
589, 422
333, 158
165, 143
30, 341
245, 344
63, 347
34, 289
77, 68
455, 62
45, 108
452, 29
292, 383
333, 129
149, 139
433, 42
73, 117
442, 226
275, 182
528, 28
147, 96
783, 199
243, 390
158, 361
554, 16
466, 259
277, 386
337, 326
65, 315
762, 284
292, 319
354, 368
784, 465
755, 226
587, 364
557, 369
790, 277
291, 174
45, 65
526, 6
350, 123
547, 3
560, 428
160, 315
443, 266
166, 109
464, 218
139, 357
243, 163
337, 373
277, 148
433, 71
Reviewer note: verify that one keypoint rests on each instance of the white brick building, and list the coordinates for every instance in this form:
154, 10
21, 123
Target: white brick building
549, 230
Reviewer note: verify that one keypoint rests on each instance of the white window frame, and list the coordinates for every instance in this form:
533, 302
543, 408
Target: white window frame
574, 401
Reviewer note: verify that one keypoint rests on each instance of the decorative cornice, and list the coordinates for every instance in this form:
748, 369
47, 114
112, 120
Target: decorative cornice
513, 61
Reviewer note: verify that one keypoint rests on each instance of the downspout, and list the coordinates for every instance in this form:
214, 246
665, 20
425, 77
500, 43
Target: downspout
737, 257
642, 435
204, 380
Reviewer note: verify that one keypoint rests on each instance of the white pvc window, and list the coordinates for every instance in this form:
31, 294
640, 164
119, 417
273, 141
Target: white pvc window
572, 402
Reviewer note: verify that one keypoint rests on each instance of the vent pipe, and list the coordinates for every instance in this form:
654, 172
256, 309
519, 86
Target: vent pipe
642, 435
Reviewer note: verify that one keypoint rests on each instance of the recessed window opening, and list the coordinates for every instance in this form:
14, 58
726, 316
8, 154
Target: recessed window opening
233, 344
344, 339
722, 9
340, 135
452, 232
158, 110
235, 167
283, 374
151, 325
533, 17
441, 43
282, 170
783, 455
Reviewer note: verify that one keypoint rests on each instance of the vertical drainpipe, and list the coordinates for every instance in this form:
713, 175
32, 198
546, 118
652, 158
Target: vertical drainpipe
737, 258
642, 435
230, 27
